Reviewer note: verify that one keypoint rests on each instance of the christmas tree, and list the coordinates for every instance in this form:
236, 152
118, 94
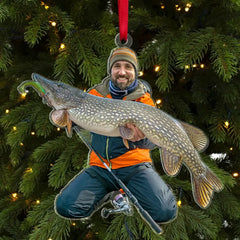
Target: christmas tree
189, 53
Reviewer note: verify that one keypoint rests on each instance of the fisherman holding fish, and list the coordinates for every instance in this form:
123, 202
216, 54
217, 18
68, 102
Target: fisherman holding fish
129, 159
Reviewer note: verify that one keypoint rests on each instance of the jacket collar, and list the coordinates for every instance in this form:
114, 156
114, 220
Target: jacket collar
103, 89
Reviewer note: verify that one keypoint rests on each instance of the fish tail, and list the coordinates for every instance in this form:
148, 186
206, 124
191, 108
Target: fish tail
204, 186
213, 180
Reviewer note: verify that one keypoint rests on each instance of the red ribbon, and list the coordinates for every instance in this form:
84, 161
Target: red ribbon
123, 19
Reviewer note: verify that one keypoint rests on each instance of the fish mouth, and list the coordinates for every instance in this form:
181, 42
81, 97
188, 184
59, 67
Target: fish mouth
39, 80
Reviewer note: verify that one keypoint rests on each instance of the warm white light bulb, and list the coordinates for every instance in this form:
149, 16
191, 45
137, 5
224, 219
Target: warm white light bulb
157, 68
179, 203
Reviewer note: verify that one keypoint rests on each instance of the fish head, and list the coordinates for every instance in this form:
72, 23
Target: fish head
55, 94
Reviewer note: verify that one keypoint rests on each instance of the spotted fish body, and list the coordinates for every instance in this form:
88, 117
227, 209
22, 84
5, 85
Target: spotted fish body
179, 142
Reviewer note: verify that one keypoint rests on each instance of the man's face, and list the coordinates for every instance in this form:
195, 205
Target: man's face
122, 74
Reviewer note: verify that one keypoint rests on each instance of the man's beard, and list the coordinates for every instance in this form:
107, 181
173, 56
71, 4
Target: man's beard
122, 85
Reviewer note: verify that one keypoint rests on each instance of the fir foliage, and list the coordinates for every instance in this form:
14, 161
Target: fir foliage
197, 51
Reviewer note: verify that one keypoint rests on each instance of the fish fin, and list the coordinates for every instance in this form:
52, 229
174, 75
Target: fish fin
59, 117
69, 127
204, 186
126, 143
202, 191
214, 181
126, 132
171, 163
197, 136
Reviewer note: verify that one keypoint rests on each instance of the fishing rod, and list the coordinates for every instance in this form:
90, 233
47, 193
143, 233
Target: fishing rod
131, 197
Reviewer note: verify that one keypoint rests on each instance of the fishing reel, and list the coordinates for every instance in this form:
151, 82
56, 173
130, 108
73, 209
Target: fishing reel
120, 204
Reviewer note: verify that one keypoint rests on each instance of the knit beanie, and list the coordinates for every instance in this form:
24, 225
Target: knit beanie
122, 54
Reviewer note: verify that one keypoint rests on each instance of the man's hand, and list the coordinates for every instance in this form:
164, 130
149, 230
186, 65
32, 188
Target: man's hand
137, 133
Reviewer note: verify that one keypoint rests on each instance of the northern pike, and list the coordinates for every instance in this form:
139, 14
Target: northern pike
179, 142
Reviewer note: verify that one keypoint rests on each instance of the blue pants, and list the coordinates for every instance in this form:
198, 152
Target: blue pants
82, 195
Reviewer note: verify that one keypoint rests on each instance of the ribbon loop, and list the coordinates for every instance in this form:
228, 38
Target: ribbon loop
123, 19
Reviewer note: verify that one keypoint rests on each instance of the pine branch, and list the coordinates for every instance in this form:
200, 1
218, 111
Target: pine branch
166, 62
197, 47
51, 226
31, 179
50, 150
53, 42
47, 223
160, 52
40, 210
88, 62
229, 204
37, 28
224, 51
9, 215
4, 12
178, 226
62, 170
5, 56
139, 228
143, 17
65, 65
198, 222
64, 21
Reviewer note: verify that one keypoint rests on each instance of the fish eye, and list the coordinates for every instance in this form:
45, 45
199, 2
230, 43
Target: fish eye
59, 84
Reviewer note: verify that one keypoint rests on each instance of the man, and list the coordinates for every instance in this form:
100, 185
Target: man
132, 164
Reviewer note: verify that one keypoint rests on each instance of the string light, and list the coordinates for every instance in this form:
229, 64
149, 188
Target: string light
178, 8
37, 201
235, 174
21, 144
45, 5
29, 170
53, 23
179, 203
14, 128
140, 73
14, 196
159, 101
73, 224
7, 111
62, 46
33, 133
202, 65
187, 66
194, 65
23, 95
186, 8
231, 148
226, 124
58, 129
157, 68
162, 6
